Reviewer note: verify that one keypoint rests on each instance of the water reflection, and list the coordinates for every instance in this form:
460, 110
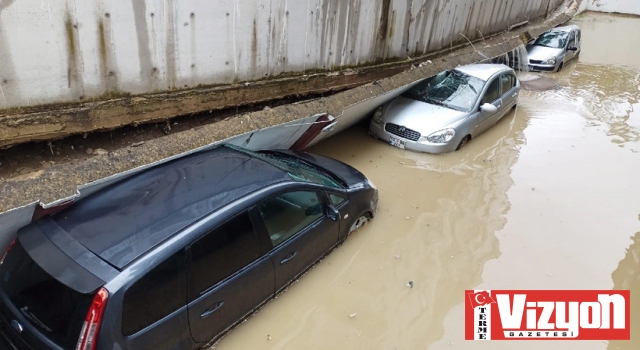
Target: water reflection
605, 95
627, 276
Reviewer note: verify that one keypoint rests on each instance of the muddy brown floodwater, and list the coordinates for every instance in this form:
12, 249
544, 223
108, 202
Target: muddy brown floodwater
547, 199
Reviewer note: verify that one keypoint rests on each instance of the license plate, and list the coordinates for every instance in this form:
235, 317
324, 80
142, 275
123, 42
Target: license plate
394, 141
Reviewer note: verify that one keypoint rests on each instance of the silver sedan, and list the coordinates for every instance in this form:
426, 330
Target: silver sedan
443, 113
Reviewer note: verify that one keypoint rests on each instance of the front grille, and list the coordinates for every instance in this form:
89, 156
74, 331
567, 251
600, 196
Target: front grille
402, 131
10, 336
535, 62
542, 69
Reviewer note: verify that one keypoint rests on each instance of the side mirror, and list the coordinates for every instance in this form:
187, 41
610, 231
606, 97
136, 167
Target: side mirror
573, 48
488, 108
330, 127
333, 213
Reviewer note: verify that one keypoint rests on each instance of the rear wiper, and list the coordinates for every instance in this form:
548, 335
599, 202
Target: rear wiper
28, 314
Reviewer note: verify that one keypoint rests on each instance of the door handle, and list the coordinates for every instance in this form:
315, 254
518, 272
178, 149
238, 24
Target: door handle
288, 258
213, 308
514, 95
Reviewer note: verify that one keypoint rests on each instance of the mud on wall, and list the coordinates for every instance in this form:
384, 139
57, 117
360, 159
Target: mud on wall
73, 50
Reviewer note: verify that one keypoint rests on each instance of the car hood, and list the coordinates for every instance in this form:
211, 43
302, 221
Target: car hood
421, 116
542, 53
348, 174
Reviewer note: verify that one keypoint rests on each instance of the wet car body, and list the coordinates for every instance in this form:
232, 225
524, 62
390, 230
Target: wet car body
174, 256
551, 51
442, 113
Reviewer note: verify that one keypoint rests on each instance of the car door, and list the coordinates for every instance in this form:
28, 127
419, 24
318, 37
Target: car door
228, 277
491, 96
508, 91
301, 227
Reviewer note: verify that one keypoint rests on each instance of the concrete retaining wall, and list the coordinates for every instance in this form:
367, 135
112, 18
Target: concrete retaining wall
73, 50
618, 6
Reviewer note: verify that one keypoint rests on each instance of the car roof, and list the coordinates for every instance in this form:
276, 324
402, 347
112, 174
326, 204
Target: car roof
483, 71
565, 28
127, 219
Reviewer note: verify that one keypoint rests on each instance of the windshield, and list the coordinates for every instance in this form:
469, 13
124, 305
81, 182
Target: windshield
452, 89
297, 168
553, 39
300, 170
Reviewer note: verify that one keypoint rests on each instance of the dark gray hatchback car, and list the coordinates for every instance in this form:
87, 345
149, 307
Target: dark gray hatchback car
174, 256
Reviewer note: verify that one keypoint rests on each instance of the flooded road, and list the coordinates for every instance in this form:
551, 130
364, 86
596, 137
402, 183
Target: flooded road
547, 199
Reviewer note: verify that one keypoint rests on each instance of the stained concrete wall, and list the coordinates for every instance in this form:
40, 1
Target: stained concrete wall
618, 6
278, 127
73, 50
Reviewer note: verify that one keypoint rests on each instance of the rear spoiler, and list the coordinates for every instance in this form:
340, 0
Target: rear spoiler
64, 258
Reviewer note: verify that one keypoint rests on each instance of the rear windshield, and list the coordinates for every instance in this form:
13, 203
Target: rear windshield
55, 309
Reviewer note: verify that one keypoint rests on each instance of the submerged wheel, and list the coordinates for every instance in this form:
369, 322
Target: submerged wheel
358, 223
560, 67
464, 141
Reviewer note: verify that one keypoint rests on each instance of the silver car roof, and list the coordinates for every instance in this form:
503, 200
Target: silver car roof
565, 28
483, 71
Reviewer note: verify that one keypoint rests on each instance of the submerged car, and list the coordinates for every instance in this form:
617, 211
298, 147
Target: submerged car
172, 257
443, 113
551, 51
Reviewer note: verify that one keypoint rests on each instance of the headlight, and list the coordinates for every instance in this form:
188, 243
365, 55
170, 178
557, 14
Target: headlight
552, 60
442, 136
377, 116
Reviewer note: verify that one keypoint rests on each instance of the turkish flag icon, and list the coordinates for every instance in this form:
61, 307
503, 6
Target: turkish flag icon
480, 298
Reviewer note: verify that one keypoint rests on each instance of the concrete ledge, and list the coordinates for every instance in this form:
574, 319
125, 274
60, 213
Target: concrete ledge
61, 181
57, 121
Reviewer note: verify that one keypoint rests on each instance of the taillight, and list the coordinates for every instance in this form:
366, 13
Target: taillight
4, 255
89, 334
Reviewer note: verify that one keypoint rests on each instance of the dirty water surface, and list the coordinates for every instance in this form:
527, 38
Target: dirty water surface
546, 199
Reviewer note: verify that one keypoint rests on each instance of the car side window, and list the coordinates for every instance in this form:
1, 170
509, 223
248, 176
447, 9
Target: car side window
289, 213
222, 252
507, 82
336, 199
572, 40
156, 295
493, 92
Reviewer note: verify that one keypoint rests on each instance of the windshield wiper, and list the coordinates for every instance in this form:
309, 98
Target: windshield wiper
472, 88
435, 102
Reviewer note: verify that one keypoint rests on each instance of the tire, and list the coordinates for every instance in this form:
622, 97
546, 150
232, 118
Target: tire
463, 142
560, 67
363, 219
